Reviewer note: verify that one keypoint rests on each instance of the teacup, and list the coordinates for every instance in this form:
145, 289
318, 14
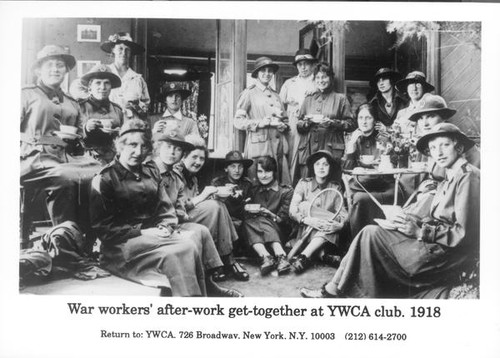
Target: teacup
106, 124
366, 159
252, 208
67, 132
224, 191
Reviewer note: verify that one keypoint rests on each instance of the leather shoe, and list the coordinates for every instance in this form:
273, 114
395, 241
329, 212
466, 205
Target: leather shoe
219, 275
267, 265
331, 260
239, 272
301, 263
283, 267
318, 293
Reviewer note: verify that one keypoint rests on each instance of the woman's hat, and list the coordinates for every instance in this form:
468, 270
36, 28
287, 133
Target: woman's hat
101, 72
431, 103
385, 73
171, 87
54, 51
235, 156
67, 132
263, 62
173, 136
122, 38
334, 164
414, 77
444, 129
303, 54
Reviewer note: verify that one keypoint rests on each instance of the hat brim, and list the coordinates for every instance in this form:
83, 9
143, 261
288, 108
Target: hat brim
183, 92
116, 82
135, 48
64, 135
274, 66
312, 60
322, 154
68, 59
445, 113
402, 85
423, 142
247, 163
161, 137
394, 76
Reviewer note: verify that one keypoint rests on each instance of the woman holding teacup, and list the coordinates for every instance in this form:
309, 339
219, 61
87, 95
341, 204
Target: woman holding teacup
418, 256
323, 119
261, 114
267, 217
101, 118
203, 208
362, 152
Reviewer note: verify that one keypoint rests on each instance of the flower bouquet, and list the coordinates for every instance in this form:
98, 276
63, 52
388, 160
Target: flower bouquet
399, 147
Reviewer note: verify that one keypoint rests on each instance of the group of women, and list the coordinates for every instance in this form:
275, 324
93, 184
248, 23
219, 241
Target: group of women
157, 225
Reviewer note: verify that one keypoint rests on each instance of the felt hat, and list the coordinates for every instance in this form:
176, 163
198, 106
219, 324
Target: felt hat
303, 54
122, 38
235, 156
262, 62
414, 77
171, 87
173, 136
431, 103
334, 163
385, 73
54, 51
444, 129
101, 72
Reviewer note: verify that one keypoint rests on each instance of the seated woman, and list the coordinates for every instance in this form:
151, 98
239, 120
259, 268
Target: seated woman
202, 209
265, 225
235, 166
415, 255
101, 118
318, 232
136, 222
362, 151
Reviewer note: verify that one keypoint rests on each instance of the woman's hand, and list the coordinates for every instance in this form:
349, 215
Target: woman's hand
159, 126
351, 145
92, 124
380, 127
408, 226
281, 127
207, 191
317, 224
155, 231
264, 122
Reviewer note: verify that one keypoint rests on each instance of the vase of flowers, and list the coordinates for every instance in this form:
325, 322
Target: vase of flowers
397, 146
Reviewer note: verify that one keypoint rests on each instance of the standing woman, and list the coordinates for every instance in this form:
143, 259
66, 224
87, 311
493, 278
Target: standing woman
264, 229
201, 208
293, 92
136, 221
261, 114
323, 119
325, 169
418, 255
387, 100
132, 95
101, 118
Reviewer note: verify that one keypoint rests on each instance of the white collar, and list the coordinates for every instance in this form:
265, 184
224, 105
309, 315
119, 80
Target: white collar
177, 114
260, 86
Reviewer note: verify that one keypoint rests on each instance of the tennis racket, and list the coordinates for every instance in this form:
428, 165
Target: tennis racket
325, 205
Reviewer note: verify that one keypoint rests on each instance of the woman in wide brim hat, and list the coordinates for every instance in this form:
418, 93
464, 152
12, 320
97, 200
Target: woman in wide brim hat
101, 72
174, 137
262, 62
432, 104
53, 51
414, 77
447, 130
385, 72
122, 38
235, 156
172, 87
303, 54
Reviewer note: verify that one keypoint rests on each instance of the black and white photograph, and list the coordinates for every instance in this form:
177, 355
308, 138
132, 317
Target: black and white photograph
297, 182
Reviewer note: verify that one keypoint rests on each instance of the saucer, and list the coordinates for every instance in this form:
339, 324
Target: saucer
66, 135
385, 224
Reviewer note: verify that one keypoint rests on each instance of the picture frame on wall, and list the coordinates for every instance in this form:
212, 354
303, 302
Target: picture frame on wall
82, 67
88, 33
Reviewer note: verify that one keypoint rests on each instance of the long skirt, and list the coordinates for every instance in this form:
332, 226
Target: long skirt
260, 230
214, 215
204, 243
387, 264
173, 262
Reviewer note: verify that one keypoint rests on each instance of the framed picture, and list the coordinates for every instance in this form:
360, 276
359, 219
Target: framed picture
88, 33
82, 67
